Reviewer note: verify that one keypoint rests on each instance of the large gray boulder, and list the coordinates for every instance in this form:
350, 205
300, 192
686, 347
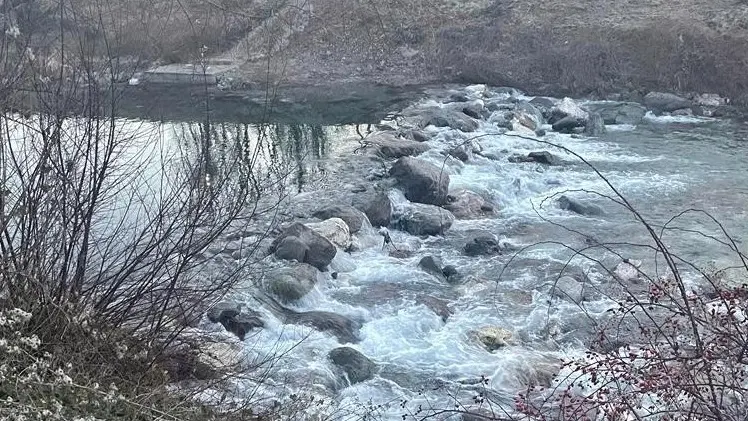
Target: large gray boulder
421, 181
465, 204
335, 230
573, 205
357, 366
378, 209
353, 217
660, 102
318, 251
421, 219
433, 265
292, 282
448, 118
474, 109
568, 124
390, 146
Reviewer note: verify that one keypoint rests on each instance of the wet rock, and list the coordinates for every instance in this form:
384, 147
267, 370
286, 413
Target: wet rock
493, 337
544, 105
573, 205
502, 120
291, 248
568, 288
421, 219
432, 265
595, 126
242, 323
474, 109
353, 217
482, 243
660, 102
568, 124
540, 133
421, 181
465, 204
438, 306
357, 367
292, 282
541, 157
683, 112
333, 229
222, 311
390, 146
462, 153
401, 253
319, 250
628, 271
343, 328
528, 116
452, 274
378, 210
419, 136
567, 107
448, 118
620, 112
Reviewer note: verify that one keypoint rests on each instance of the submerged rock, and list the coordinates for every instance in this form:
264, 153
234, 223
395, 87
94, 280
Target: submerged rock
421, 219
568, 124
421, 181
343, 328
573, 205
333, 229
568, 288
438, 306
493, 337
353, 217
357, 367
316, 250
465, 204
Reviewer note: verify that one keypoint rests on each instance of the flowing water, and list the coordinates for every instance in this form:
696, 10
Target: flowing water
662, 166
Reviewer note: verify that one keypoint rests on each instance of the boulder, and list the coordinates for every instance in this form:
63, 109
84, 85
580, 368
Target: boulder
230, 316
482, 243
502, 120
567, 107
421, 219
465, 204
620, 112
378, 210
333, 229
544, 105
319, 250
448, 118
661, 102
595, 126
356, 366
353, 217
493, 337
433, 265
628, 271
568, 124
462, 152
419, 136
529, 116
291, 248
390, 146
474, 109
573, 205
242, 323
568, 288
292, 282
421, 181
451, 273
